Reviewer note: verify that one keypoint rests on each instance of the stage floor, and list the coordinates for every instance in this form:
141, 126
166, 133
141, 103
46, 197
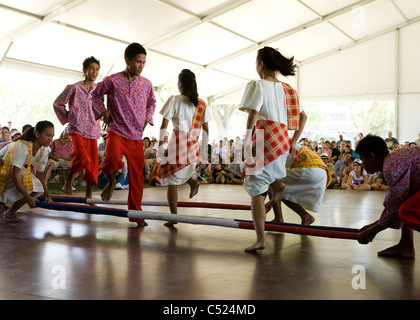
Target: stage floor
65, 255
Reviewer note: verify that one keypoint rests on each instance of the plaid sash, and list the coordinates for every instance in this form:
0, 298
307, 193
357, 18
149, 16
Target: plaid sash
6, 169
293, 111
309, 159
269, 141
183, 148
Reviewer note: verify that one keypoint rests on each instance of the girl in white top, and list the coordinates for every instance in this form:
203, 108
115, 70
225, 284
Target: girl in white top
358, 177
14, 169
265, 100
181, 110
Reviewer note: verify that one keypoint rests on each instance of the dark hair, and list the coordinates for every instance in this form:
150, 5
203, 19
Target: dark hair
90, 60
29, 135
372, 144
189, 85
134, 49
147, 138
26, 127
5, 128
274, 60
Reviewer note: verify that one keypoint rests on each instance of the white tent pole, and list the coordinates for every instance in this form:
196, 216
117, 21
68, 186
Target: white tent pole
397, 82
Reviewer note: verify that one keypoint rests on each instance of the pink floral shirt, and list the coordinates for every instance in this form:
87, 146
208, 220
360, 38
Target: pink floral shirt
62, 150
402, 174
129, 103
80, 116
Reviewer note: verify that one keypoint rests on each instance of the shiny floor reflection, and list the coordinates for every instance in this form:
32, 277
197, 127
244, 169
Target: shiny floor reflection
65, 255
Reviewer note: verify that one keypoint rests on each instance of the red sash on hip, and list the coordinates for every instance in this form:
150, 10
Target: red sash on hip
183, 148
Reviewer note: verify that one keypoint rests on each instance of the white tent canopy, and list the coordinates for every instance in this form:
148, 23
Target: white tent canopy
345, 48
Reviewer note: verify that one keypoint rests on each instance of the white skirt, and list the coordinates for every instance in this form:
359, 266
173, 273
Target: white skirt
180, 177
259, 182
11, 194
305, 186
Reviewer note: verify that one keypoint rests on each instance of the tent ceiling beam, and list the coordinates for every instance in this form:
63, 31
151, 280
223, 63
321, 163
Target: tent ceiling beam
360, 41
40, 21
200, 20
288, 33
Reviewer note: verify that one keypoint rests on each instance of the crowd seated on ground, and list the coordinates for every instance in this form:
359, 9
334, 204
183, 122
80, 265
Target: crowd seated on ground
225, 158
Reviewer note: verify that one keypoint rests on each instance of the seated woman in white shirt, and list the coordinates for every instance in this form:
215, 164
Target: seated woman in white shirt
358, 178
18, 185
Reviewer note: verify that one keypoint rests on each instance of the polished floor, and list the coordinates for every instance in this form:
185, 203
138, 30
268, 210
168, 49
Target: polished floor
67, 255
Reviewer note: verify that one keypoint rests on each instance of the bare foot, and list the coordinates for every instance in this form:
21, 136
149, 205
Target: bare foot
276, 191
256, 246
108, 191
142, 224
89, 189
398, 251
12, 216
308, 220
170, 223
68, 188
194, 186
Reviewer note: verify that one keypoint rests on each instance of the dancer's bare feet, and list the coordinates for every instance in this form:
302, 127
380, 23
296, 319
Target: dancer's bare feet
142, 224
89, 189
276, 191
256, 246
107, 192
68, 188
194, 186
398, 250
170, 223
12, 216
308, 220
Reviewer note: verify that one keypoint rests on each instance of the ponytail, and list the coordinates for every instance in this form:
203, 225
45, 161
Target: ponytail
274, 60
189, 85
29, 135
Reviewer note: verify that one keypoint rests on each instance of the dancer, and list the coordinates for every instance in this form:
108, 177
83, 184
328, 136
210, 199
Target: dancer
188, 114
273, 106
307, 178
84, 128
401, 170
18, 185
130, 107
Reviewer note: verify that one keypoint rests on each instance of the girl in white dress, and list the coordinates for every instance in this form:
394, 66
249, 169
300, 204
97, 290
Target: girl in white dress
18, 185
188, 114
273, 106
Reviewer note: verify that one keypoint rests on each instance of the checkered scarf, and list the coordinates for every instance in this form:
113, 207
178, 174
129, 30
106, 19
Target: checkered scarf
270, 140
293, 110
183, 148
274, 135
309, 159
7, 167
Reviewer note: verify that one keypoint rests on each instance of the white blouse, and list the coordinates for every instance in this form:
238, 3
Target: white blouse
266, 97
181, 111
21, 157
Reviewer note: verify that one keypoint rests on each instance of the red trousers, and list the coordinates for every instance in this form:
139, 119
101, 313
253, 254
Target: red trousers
85, 152
117, 146
409, 211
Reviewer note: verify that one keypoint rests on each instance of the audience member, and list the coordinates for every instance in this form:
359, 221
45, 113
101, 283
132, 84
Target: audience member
332, 169
377, 182
358, 177
391, 141
60, 155
5, 134
417, 142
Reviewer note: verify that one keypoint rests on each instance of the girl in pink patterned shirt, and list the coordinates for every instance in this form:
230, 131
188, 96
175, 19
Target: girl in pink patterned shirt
401, 170
84, 129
